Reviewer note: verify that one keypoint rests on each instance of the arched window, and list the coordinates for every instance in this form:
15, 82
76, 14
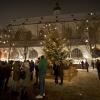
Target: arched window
96, 52
33, 54
14, 54
41, 34
23, 34
76, 53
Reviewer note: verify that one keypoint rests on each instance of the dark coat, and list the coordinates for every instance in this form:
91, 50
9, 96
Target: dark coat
56, 70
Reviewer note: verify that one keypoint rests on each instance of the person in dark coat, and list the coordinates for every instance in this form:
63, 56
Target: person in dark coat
92, 64
87, 66
82, 64
56, 73
31, 69
98, 68
61, 72
37, 71
7, 73
2, 76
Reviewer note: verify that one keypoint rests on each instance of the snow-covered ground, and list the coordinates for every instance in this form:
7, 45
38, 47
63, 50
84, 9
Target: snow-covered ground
84, 86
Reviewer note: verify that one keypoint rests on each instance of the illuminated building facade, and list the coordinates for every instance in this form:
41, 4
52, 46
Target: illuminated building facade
76, 28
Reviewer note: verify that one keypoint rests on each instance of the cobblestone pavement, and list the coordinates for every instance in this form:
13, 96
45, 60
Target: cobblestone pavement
84, 86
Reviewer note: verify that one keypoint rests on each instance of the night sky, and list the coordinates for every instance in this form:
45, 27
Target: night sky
30, 8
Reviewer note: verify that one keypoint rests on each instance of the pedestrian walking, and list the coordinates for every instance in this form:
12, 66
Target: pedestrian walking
92, 64
16, 76
61, 72
7, 73
56, 73
2, 76
87, 66
31, 69
98, 68
42, 73
37, 71
82, 64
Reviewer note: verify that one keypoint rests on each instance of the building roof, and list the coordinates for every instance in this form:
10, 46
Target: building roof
51, 19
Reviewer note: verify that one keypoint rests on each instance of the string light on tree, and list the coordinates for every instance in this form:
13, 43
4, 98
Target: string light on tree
53, 44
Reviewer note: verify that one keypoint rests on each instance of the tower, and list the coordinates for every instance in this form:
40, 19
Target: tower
57, 9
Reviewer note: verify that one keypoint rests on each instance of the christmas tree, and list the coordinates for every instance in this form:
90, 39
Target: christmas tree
53, 44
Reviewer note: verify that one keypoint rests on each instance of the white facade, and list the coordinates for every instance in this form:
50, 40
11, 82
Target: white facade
63, 23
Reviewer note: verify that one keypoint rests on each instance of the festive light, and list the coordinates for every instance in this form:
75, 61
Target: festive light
4, 42
44, 35
93, 47
55, 28
86, 41
87, 28
77, 27
87, 21
91, 13
53, 44
41, 43
49, 24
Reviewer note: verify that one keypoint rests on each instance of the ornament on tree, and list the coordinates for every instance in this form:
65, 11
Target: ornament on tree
54, 44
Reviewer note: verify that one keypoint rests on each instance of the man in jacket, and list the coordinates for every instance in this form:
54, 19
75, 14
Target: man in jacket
42, 73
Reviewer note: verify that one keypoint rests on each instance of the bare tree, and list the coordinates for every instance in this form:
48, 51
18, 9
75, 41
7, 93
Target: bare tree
24, 35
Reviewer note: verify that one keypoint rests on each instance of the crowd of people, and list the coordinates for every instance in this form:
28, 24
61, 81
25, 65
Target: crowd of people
58, 68
85, 65
21, 74
94, 64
